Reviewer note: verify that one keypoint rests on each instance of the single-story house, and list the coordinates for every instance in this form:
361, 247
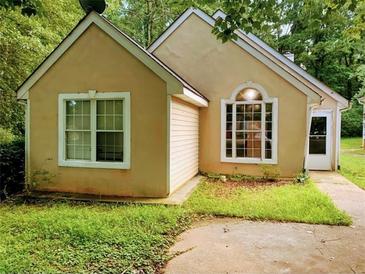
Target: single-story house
105, 116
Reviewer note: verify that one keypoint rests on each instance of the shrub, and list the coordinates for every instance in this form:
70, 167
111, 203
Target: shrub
6, 136
352, 121
11, 167
301, 178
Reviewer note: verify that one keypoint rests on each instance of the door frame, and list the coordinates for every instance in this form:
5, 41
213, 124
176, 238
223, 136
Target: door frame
314, 160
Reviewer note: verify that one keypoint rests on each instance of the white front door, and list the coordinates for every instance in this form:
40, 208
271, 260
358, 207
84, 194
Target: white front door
319, 157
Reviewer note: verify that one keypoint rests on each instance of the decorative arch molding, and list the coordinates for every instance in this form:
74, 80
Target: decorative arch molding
252, 85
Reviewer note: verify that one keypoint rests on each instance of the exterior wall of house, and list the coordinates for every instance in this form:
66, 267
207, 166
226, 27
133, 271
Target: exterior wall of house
184, 142
216, 69
97, 62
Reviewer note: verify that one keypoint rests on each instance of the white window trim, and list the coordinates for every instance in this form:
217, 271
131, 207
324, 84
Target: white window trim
266, 99
93, 95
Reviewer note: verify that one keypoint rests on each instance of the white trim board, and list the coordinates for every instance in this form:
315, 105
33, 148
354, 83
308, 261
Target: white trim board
175, 84
264, 53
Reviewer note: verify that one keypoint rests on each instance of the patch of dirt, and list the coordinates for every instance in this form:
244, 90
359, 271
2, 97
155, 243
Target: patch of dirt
251, 183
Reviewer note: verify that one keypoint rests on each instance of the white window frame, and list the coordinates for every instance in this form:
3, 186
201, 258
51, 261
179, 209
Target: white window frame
93, 96
274, 145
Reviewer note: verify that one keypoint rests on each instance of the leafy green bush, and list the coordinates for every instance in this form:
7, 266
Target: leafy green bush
11, 167
352, 121
6, 136
302, 177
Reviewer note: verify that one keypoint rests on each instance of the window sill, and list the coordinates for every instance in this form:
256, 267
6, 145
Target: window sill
89, 164
249, 161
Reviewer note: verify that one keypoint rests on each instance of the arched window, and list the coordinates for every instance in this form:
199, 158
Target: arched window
248, 94
249, 126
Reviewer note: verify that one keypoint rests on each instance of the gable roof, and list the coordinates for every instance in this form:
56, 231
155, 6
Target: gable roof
175, 83
264, 53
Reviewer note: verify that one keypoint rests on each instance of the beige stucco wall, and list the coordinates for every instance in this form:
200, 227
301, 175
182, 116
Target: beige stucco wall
216, 69
97, 62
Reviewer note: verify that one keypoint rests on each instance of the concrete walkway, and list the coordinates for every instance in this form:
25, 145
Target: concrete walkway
345, 195
235, 246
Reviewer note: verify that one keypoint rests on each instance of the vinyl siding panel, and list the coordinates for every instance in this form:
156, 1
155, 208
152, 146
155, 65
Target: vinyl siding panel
184, 142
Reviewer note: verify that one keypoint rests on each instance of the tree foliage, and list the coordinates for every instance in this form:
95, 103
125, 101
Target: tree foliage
145, 20
326, 36
25, 40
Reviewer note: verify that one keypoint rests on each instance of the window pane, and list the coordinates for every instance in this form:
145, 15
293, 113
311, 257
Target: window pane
239, 117
119, 106
109, 115
86, 122
228, 126
268, 126
268, 117
109, 123
268, 107
70, 106
248, 94
318, 126
229, 144
77, 114
119, 122
257, 116
268, 131
70, 122
78, 122
78, 145
109, 146
229, 108
100, 109
257, 108
240, 109
229, 130
248, 144
317, 145
100, 120
240, 153
229, 117
248, 108
109, 106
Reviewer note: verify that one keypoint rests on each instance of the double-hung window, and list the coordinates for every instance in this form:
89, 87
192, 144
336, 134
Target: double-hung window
94, 130
249, 127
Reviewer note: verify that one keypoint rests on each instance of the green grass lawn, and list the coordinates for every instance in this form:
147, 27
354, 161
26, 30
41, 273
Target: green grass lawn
353, 161
292, 202
73, 237
83, 237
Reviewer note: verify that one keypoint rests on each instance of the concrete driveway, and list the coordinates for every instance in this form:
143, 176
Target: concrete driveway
235, 246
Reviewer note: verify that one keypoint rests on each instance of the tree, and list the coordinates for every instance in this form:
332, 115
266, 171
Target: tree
144, 20
327, 37
25, 40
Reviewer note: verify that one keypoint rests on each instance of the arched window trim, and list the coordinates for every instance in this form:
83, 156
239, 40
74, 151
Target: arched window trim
252, 85
274, 140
